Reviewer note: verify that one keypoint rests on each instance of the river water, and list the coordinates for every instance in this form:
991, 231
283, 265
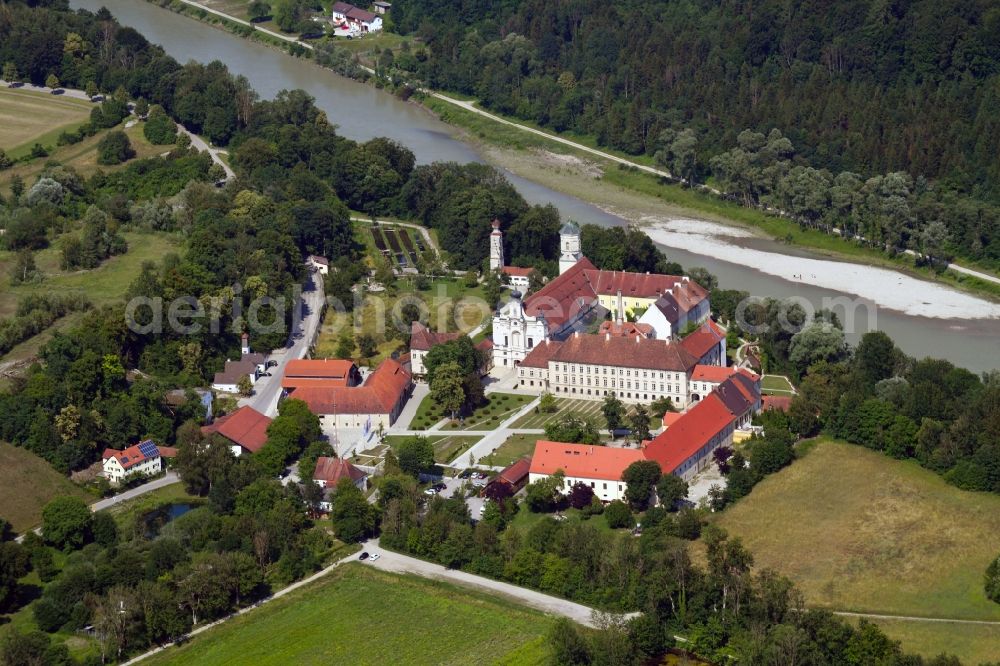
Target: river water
362, 112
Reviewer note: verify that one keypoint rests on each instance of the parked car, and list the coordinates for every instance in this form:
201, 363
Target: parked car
363, 555
430, 491
265, 374
271, 364
439, 487
374, 557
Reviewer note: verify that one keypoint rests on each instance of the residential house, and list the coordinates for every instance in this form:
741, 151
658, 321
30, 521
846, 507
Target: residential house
319, 264
382, 7
329, 472
143, 458
250, 365
246, 430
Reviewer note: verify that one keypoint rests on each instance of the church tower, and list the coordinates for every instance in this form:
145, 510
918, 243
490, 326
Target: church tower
496, 247
569, 246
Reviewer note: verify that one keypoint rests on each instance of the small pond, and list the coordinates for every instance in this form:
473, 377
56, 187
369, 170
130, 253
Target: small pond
157, 518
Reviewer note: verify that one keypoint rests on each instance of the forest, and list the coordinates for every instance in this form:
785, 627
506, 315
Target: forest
875, 118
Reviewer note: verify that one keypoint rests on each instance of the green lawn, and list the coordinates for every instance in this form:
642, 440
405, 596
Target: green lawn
776, 384
27, 483
28, 117
515, 448
498, 408
973, 643
357, 615
588, 409
858, 531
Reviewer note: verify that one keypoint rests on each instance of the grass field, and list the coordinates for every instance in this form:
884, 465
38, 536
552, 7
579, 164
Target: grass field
515, 448
357, 615
446, 448
27, 483
858, 531
498, 408
975, 644
776, 385
28, 117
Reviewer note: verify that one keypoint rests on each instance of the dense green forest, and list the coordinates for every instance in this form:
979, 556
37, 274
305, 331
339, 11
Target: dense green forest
904, 93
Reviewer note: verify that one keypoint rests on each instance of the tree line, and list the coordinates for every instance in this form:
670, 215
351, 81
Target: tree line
893, 101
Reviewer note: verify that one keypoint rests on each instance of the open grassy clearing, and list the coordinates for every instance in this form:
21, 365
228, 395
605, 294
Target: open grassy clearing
357, 615
498, 408
82, 157
446, 448
27, 483
28, 117
858, 531
776, 384
972, 643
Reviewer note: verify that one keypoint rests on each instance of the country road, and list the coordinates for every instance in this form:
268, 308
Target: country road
916, 618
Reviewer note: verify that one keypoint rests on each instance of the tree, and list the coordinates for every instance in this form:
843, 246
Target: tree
24, 268
15, 562
345, 345
569, 648
244, 386
415, 455
614, 413
819, 341
991, 581
91, 89
114, 148
876, 357
670, 489
544, 494
10, 72
547, 403
572, 429
352, 516
492, 288
159, 129
618, 515
5, 161
641, 477
448, 388
141, 108
580, 495
638, 423
367, 345
66, 523
104, 529
52, 81
258, 10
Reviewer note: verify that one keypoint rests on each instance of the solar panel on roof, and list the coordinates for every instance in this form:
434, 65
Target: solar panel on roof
148, 449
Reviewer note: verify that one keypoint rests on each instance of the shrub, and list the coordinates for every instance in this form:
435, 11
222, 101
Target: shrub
114, 148
618, 515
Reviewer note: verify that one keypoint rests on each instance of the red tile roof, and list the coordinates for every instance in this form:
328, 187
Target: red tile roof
637, 352
715, 374
378, 395
517, 271
359, 14
625, 329
167, 451
670, 418
582, 460
332, 470
563, 297
423, 338
635, 285
516, 472
132, 455
246, 427
319, 373
780, 402
689, 434
701, 341
541, 354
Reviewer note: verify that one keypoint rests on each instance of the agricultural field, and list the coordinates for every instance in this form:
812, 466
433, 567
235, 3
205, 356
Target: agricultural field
28, 117
27, 483
858, 531
357, 615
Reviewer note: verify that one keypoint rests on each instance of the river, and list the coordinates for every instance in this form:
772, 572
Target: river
362, 112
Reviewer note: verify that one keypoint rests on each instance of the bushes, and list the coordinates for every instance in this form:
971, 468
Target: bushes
618, 515
159, 129
35, 313
114, 148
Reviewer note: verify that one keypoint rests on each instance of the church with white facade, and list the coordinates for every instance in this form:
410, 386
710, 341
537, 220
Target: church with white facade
581, 297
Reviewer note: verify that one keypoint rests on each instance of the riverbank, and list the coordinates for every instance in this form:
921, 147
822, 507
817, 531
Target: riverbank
565, 169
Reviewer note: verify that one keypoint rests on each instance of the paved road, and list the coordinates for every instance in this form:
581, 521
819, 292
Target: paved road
305, 325
202, 146
398, 563
167, 479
